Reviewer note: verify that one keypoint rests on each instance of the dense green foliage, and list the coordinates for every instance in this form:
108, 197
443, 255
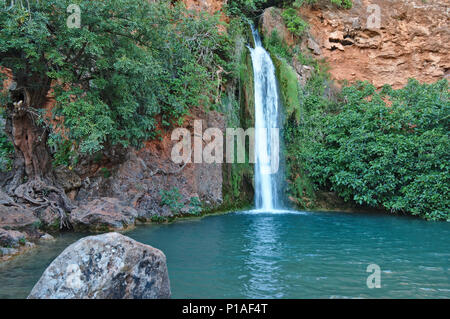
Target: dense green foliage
287, 80
195, 206
386, 149
305, 127
293, 22
382, 149
130, 61
275, 45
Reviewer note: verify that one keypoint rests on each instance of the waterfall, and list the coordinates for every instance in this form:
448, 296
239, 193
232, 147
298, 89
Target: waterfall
266, 146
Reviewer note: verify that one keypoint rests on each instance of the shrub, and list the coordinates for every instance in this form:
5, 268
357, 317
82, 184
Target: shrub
387, 149
172, 199
195, 206
105, 172
293, 22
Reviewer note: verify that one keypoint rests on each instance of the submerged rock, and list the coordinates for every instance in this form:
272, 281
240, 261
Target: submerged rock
6, 252
46, 237
108, 266
103, 214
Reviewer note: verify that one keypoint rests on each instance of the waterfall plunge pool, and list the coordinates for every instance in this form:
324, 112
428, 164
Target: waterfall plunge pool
280, 255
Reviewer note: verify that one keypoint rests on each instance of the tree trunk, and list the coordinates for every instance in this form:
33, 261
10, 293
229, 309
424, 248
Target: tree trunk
32, 182
30, 141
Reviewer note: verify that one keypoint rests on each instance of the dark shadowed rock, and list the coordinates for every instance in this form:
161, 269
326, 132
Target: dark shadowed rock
67, 178
108, 266
49, 218
5, 199
12, 217
103, 213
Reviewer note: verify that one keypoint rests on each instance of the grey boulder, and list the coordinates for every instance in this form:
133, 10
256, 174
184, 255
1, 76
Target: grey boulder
108, 266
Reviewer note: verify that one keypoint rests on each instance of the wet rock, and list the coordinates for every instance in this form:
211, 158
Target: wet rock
103, 214
108, 266
11, 238
46, 237
7, 251
12, 217
28, 245
14, 243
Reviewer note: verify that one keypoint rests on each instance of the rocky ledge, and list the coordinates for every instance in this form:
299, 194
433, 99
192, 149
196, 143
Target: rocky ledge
18, 230
108, 266
103, 214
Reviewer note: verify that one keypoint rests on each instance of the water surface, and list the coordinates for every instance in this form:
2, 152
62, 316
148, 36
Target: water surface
282, 255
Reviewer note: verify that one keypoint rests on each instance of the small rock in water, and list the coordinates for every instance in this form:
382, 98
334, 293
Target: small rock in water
46, 237
108, 266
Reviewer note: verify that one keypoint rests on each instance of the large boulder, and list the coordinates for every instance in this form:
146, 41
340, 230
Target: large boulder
108, 266
272, 20
103, 214
13, 217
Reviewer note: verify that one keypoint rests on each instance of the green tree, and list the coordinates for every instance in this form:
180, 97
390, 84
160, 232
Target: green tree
129, 61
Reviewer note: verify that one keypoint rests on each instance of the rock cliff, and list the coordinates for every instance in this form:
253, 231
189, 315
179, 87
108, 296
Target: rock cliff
412, 39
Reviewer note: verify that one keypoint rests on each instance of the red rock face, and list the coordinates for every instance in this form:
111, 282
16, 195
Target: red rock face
145, 172
211, 6
413, 40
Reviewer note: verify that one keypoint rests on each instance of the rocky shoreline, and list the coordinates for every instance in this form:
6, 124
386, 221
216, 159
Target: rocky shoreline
21, 230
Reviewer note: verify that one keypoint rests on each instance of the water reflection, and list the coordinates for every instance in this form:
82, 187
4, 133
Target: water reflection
262, 262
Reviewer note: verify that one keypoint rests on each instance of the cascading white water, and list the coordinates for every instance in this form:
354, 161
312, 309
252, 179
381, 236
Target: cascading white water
266, 127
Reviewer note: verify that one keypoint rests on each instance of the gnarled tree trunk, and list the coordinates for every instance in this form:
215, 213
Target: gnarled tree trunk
32, 182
